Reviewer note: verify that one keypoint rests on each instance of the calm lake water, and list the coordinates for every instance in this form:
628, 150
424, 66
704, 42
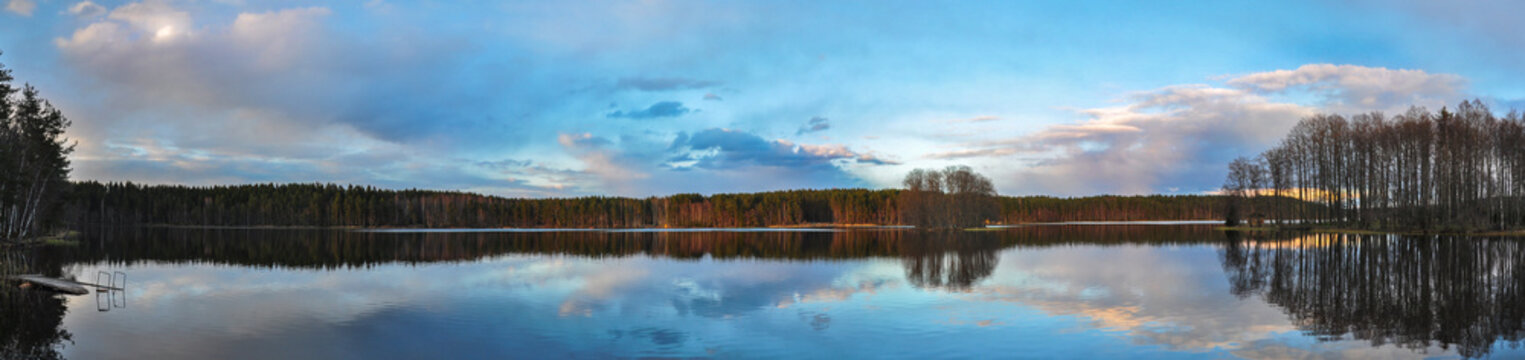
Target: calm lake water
1088, 291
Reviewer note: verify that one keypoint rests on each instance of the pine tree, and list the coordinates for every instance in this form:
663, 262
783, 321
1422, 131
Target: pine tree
35, 156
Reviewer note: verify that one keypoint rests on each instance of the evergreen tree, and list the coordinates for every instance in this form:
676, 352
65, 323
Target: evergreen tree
35, 156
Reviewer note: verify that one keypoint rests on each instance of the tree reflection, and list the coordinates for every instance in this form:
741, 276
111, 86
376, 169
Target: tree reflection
1406, 290
342, 249
29, 320
948, 260
951, 259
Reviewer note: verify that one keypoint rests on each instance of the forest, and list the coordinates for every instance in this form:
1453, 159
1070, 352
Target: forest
1461, 170
331, 205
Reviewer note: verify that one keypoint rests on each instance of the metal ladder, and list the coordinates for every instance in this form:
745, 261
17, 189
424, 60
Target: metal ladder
105, 299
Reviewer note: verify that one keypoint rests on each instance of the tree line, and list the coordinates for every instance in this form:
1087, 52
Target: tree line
1027, 209
34, 164
328, 205
325, 205
1447, 170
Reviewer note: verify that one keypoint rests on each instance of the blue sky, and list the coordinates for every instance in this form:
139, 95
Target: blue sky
642, 98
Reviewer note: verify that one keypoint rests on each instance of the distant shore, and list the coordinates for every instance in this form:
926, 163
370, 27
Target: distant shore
791, 226
348, 227
64, 238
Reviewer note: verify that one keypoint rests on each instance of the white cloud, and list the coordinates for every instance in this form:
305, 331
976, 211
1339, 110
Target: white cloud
600, 160
1167, 136
155, 49
21, 7
234, 103
277, 37
156, 18
95, 37
87, 9
1352, 88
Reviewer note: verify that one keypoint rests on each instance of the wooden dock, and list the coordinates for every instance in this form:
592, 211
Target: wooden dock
61, 285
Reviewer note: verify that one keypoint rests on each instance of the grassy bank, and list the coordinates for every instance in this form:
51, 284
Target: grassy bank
56, 238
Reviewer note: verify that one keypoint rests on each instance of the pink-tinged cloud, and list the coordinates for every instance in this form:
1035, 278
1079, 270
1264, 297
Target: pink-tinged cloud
1352, 88
604, 162
1183, 135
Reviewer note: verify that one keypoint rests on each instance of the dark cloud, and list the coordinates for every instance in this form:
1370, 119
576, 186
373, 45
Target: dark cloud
663, 109
815, 124
712, 97
709, 161
728, 149
505, 164
663, 84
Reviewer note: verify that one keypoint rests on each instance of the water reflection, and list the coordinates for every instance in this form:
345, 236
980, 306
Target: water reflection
342, 249
936, 261
952, 261
1407, 290
1074, 291
29, 320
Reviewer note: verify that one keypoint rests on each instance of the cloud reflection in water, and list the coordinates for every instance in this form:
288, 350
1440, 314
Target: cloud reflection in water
1055, 291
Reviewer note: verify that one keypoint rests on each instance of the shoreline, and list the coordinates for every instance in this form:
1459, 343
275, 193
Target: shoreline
1332, 230
64, 238
353, 227
790, 226
56, 238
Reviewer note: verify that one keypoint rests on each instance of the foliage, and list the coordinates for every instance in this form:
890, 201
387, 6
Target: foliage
1029, 209
1244, 178
33, 155
953, 197
1462, 170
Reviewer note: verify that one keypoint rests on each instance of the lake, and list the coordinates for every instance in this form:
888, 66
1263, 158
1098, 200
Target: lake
1064, 291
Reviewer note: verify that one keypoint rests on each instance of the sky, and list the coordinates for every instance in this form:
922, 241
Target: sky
643, 98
